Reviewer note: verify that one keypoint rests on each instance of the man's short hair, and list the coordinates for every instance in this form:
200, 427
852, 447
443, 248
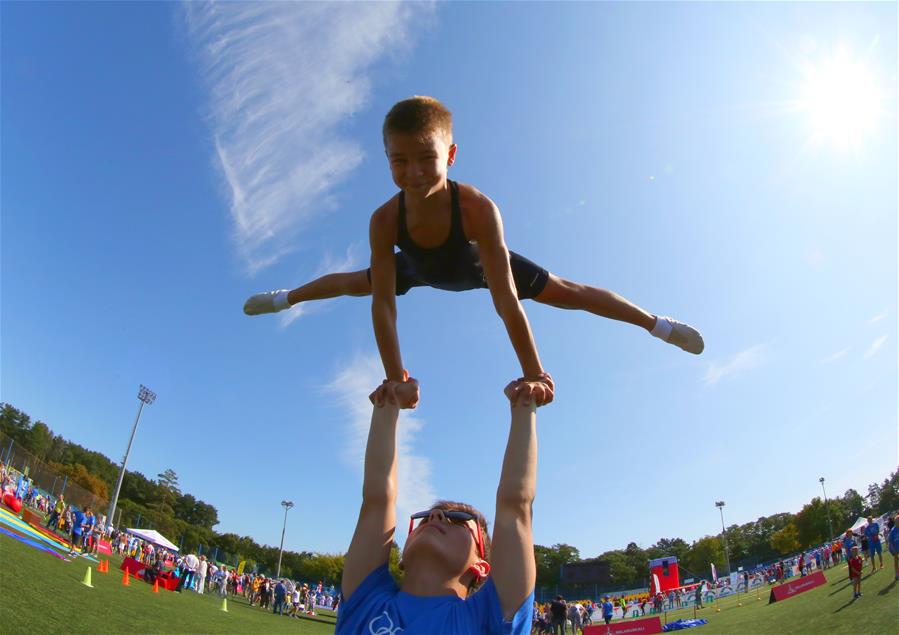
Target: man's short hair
420, 116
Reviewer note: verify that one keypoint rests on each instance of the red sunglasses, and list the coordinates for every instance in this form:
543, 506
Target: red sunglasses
455, 517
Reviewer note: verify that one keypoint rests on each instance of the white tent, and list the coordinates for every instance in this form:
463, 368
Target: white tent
861, 522
151, 535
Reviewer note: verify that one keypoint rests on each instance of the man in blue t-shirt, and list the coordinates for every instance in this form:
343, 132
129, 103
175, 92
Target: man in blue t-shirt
848, 544
872, 531
893, 545
80, 521
608, 610
456, 579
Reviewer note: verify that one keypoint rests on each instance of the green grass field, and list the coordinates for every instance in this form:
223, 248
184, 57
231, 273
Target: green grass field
824, 610
42, 595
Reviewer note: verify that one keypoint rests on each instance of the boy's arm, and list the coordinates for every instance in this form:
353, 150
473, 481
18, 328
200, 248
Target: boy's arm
370, 547
486, 228
513, 570
383, 293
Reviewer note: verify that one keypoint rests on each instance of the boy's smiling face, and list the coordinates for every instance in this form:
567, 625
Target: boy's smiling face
419, 163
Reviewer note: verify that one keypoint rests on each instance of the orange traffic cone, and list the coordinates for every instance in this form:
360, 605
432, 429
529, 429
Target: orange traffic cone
155, 586
125, 580
103, 567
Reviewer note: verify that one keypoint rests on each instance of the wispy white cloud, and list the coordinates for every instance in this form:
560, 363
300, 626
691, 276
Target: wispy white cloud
283, 78
877, 318
840, 354
349, 261
352, 384
875, 346
743, 361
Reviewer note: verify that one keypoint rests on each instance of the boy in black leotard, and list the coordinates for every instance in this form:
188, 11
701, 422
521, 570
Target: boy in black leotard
450, 237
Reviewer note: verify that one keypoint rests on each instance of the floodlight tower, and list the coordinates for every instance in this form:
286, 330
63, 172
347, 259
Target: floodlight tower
720, 506
146, 396
286, 505
826, 509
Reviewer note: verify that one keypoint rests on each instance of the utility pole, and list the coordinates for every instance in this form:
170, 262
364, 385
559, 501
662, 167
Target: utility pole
286, 505
826, 509
146, 396
720, 506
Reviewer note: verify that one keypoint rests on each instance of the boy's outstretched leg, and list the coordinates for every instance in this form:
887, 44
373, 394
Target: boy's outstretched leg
331, 285
566, 294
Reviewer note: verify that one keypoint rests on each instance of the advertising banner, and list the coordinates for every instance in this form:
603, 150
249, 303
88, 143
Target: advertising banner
794, 587
634, 627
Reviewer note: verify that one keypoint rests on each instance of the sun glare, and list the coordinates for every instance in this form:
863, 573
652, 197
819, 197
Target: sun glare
841, 98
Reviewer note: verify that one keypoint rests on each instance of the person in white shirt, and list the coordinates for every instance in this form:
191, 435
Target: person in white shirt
189, 566
202, 568
222, 580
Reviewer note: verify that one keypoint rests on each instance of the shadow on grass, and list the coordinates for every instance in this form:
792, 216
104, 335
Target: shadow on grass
887, 588
848, 604
847, 584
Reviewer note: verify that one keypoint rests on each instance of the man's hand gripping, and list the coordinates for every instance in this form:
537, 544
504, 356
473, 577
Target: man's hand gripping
539, 389
399, 393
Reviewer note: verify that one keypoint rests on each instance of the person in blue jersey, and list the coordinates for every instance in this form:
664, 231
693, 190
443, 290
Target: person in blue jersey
458, 579
872, 533
608, 610
848, 543
81, 520
893, 545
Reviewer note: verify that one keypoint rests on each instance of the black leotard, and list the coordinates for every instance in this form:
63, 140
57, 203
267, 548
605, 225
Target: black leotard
456, 264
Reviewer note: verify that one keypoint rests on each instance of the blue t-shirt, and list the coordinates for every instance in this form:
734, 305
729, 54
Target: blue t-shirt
378, 606
77, 520
848, 544
894, 539
607, 609
872, 531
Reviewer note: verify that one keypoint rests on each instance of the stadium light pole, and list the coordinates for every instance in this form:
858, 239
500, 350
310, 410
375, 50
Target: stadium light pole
286, 505
145, 396
720, 506
826, 509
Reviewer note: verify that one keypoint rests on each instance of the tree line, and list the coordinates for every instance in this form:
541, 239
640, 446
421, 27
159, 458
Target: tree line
161, 505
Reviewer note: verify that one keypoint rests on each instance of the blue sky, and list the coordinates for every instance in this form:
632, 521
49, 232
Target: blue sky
731, 165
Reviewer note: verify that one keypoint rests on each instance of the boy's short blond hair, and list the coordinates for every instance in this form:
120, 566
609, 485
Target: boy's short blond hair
419, 115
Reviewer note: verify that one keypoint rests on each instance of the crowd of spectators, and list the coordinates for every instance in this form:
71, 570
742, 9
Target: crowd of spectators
559, 616
290, 598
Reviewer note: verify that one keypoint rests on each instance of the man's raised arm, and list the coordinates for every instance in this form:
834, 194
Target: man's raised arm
370, 547
514, 571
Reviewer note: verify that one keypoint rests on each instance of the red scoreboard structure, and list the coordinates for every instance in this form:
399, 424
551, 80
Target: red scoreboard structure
663, 574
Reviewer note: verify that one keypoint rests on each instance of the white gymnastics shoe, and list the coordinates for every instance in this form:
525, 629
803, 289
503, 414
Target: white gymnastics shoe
268, 302
679, 334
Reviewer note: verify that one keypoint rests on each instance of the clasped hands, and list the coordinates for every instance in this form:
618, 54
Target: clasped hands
521, 391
